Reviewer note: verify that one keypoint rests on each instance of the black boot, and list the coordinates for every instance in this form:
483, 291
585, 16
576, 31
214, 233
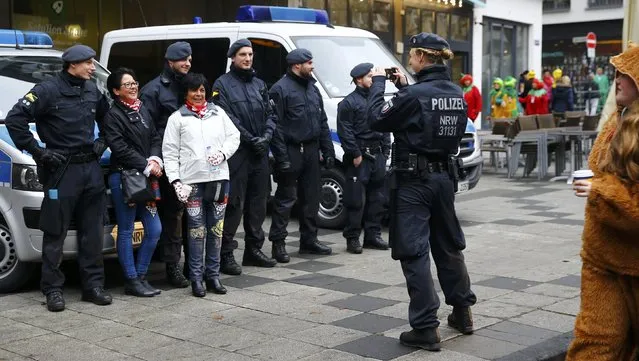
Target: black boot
198, 289
134, 287
279, 252
175, 277
214, 285
375, 243
146, 284
55, 301
427, 339
353, 246
228, 265
315, 247
255, 257
98, 296
461, 319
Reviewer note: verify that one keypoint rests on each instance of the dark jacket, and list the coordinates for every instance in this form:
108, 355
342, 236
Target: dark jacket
591, 90
300, 116
562, 99
131, 136
427, 118
352, 125
160, 96
65, 110
244, 98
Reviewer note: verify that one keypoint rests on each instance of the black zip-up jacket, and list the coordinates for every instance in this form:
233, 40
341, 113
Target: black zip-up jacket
352, 124
131, 136
244, 98
65, 110
427, 118
300, 116
160, 96
563, 99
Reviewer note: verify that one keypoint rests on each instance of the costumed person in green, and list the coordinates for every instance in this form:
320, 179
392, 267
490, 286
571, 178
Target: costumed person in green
604, 87
512, 107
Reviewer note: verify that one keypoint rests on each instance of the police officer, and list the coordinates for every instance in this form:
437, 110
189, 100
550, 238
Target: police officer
428, 120
161, 97
365, 154
245, 99
65, 110
301, 132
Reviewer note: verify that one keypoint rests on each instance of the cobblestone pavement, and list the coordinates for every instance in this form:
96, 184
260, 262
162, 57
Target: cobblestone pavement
523, 257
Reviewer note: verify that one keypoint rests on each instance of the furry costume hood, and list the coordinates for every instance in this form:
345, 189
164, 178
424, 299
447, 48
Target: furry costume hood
628, 62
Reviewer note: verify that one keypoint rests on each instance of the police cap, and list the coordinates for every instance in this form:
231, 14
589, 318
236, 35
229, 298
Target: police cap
78, 53
298, 56
361, 69
428, 41
237, 46
178, 51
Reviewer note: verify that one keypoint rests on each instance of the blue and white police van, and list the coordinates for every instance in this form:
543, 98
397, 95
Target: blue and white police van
27, 58
274, 32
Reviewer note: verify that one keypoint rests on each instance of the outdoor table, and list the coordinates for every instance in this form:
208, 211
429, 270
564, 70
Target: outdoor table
576, 136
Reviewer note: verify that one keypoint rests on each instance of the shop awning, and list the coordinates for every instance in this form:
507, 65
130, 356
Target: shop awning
479, 3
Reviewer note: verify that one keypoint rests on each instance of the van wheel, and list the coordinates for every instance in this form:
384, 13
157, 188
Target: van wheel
13, 273
332, 213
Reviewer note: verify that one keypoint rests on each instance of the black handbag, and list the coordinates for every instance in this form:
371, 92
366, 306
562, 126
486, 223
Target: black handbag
136, 187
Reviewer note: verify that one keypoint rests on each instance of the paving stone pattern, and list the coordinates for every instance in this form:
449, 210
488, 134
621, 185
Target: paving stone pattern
523, 240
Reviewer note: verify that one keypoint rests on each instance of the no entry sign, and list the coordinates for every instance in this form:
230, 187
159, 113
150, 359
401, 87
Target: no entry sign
591, 44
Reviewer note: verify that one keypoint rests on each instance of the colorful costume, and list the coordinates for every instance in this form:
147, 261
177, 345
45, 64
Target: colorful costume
472, 97
512, 106
537, 99
497, 104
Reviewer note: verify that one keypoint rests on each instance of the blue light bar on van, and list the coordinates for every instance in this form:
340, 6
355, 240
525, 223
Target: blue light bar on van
255, 13
27, 39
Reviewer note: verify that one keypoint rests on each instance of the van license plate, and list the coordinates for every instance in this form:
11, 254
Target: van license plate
462, 186
138, 234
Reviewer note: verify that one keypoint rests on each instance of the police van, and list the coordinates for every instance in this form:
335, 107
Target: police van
26, 58
275, 31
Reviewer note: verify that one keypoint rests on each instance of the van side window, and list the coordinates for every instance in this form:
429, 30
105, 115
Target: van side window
269, 60
146, 58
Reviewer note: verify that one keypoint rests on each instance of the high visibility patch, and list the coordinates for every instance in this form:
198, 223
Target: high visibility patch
215, 93
31, 97
387, 106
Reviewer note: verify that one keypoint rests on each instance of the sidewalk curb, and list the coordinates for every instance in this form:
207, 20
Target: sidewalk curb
553, 349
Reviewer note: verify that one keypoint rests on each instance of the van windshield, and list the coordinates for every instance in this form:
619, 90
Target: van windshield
334, 57
18, 74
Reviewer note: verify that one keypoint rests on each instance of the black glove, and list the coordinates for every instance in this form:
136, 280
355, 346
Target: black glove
99, 146
48, 157
284, 166
260, 145
329, 162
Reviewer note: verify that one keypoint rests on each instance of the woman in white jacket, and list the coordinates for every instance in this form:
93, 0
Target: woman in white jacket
198, 140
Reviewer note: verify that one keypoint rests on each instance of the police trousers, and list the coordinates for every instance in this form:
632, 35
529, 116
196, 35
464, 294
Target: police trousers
78, 196
423, 220
364, 196
250, 178
301, 184
171, 212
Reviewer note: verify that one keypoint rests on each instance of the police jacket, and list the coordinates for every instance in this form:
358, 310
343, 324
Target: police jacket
131, 136
427, 118
65, 109
245, 100
352, 125
300, 116
160, 96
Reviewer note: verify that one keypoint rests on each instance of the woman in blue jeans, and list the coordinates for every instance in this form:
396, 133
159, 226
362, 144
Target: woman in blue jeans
198, 139
135, 144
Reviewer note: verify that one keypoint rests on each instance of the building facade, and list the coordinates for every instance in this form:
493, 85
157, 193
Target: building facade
566, 24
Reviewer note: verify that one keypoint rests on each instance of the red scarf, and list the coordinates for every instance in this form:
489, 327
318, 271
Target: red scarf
200, 110
134, 105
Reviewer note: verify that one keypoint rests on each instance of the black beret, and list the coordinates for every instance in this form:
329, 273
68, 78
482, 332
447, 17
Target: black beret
178, 51
237, 46
428, 41
361, 69
78, 53
298, 56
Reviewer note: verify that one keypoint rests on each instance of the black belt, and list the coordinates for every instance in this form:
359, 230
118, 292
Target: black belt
422, 163
301, 145
80, 158
371, 150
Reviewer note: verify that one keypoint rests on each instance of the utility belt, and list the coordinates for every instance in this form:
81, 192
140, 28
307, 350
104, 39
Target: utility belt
419, 165
78, 157
302, 145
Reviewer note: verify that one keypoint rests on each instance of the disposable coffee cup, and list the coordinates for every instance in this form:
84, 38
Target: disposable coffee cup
582, 174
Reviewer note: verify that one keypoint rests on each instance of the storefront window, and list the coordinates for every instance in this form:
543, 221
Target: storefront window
67, 22
412, 19
522, 48
443, 20
460, 26
381, 16
360, 14
338, 10
428, 21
